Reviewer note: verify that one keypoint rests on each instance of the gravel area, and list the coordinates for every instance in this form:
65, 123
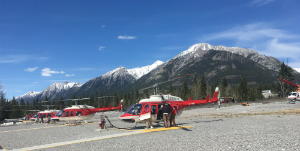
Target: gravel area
279, 131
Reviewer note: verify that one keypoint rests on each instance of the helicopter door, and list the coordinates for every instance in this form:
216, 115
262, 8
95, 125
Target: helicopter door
145, 112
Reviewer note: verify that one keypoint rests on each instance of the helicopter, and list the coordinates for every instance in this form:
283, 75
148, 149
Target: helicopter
293, 96
81, 112
137, 113
45, 113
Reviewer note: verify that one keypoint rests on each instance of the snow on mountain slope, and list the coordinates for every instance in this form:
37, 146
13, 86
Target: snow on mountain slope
28, 95
198, 50
139, 72
297, 69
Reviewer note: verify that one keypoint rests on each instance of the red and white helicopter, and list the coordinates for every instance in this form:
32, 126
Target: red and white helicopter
137, 113
293, 96
44, 114
81, 112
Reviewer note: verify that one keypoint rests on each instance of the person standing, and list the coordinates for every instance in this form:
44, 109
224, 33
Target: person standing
173, 114
49, 118
42, 118
149, 120
166, 110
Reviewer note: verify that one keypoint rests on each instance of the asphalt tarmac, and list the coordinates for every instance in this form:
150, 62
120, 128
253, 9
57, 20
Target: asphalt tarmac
272, 126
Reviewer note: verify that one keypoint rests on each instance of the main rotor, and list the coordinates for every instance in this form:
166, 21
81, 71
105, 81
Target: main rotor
155, 86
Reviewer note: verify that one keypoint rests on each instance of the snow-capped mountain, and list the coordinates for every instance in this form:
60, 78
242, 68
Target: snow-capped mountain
139, 72
53, 91
117, 78
297, 69
57, 89
198, 50
28, 96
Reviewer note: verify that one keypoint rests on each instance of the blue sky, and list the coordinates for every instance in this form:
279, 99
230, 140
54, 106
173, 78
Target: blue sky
47, 41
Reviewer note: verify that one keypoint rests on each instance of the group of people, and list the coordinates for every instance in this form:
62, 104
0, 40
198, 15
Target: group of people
42, 118
169, 113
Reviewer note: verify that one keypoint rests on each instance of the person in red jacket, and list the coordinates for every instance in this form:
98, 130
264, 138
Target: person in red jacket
173, 114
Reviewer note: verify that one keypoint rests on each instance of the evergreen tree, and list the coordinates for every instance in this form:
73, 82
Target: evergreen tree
224, 87
212, 89
185, 91
203, 93
243, 90
3, 105
171, 88
259, 92
16, 110
286, 73
195, 89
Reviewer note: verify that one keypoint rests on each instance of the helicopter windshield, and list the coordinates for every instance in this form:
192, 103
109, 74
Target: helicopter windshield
60, 113
35, 115
134, 109
292, 94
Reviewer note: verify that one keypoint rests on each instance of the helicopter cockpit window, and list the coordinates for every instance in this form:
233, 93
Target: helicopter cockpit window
134, 109
292, 94
60, 113
78, 113
35, 115
66, 114
153, 109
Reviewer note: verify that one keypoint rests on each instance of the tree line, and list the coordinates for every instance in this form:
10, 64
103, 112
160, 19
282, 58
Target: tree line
198, 90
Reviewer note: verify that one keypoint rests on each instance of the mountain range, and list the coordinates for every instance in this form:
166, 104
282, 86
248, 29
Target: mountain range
202, 58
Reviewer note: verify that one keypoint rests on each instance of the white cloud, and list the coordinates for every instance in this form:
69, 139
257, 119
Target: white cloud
19, 58
30, 69
103, 26
70, 75
47, 72
251, 32
101, 48
260, 2
126, 37
262, 38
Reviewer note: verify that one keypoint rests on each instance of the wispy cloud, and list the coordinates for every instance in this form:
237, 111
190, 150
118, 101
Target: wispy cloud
70, 75
19, 58
101, 48
102, 26
47, 72
126, 37
260, 2
30, 69
262, 38
251, 32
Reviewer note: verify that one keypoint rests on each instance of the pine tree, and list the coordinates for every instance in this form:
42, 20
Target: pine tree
203, 93
3, 105
286, 73
171, 88
185, 90
16, 110
243, 90
195, 89
224, 87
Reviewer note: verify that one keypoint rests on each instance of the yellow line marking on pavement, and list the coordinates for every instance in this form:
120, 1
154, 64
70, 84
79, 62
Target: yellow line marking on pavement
101, 137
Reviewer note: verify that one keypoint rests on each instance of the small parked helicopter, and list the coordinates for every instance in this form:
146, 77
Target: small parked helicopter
293, 96
137, 113
81, 112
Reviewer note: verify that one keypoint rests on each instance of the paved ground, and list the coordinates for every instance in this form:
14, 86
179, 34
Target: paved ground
272, 126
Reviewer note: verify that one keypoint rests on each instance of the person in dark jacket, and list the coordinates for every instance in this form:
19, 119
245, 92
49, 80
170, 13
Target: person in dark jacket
173, 114
166, 111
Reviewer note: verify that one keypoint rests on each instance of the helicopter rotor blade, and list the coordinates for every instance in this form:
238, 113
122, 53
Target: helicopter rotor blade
155, 85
